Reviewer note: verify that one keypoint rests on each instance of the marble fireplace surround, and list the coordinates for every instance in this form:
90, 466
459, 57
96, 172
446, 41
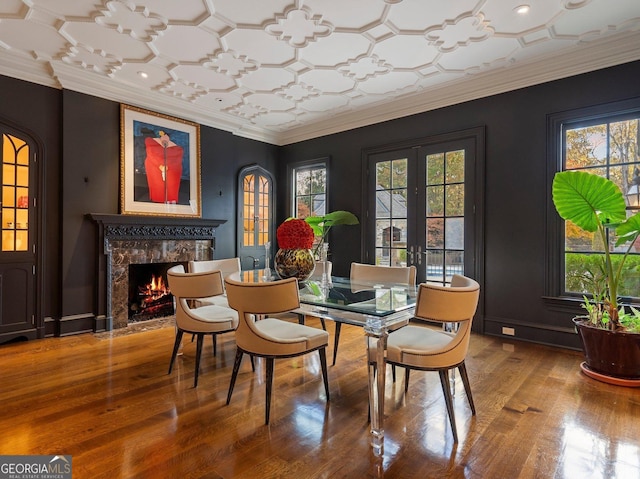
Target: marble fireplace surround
129, 239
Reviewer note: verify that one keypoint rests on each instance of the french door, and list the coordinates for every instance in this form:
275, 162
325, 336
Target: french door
423, 201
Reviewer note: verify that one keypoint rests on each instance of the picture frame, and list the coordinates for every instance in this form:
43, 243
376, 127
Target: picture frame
159, 164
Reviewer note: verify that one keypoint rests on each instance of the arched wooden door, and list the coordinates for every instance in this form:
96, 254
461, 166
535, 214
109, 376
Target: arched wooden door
18, 224
255, 216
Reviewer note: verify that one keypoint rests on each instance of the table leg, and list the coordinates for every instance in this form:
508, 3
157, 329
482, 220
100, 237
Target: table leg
376, 342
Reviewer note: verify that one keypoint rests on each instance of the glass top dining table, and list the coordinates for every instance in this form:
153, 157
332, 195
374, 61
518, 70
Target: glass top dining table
376, 307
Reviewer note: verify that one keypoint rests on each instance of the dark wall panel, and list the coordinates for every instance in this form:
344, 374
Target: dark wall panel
90, 184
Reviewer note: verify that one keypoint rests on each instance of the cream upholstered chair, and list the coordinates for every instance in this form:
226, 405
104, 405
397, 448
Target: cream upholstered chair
212, 319
271, 338
226, 266
364, 276
426, 349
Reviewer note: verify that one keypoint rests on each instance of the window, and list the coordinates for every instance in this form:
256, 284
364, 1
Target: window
15, 194
309, 189
605, 144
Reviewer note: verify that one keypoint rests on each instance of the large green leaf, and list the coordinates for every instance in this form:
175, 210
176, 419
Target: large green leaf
629, 230
587, 199
320, 224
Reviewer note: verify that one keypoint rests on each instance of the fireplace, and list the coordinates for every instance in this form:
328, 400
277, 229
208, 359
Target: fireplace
127, 240
149, 293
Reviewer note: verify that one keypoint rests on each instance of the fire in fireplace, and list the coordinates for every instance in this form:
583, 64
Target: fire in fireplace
149, 294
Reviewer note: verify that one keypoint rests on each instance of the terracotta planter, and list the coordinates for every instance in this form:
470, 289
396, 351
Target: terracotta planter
608, 353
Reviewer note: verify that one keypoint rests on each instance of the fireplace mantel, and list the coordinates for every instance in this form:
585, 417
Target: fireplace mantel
122, 227
130, 239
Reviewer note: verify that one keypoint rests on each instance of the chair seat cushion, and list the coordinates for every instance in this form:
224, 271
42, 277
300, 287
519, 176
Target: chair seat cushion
220, 317
420, 346
291, 333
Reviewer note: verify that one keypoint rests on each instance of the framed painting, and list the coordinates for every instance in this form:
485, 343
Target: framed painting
159, 164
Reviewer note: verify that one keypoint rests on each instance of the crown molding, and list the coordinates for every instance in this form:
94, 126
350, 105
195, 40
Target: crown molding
26, 69
71, 78
571, 61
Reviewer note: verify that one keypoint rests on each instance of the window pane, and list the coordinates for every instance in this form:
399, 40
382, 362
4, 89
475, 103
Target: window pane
586, 147
318, 180
435, 266
623, 146
318, 202
435, 201
455, 200
435, 169
399, 173
383, 204
383, 174
435, 233
303, 180
454, 264
455, 166
454, 233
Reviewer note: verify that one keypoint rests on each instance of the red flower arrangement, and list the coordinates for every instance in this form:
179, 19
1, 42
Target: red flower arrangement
295, 234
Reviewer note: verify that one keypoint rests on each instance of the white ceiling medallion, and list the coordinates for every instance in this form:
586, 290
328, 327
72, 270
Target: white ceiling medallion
298, 27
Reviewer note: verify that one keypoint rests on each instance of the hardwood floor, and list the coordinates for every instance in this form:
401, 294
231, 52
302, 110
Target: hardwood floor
111, 405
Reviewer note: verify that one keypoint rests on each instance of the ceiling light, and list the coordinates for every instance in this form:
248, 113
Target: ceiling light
522, 9
143, 74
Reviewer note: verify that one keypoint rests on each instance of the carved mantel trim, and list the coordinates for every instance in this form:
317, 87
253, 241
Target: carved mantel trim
123, 227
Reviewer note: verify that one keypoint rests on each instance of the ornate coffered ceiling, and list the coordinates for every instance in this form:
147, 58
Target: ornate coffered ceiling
282, 71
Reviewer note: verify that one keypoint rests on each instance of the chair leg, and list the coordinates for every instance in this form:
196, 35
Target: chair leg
199, 342
324, 326
406, 379
323, 364
467, 388
214, 338
234, 374
270, 363
300, 318
253, 364
446, 389
336, 340
176, 346
393, 372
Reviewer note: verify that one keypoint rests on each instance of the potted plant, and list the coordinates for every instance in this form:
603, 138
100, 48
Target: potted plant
609, 330
322, 224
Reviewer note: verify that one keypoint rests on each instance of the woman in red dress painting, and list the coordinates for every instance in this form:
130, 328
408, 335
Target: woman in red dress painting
164, 168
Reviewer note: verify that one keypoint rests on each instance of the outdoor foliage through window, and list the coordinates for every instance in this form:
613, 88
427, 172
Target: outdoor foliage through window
608, 149
310, 191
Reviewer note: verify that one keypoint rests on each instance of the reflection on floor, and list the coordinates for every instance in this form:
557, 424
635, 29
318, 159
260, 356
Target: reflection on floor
111, 404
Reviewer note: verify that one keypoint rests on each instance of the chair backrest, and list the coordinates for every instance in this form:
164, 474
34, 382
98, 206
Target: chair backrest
317, 272
256, 299
227, 266
448, 304
366, 273
190, 286
453, 304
